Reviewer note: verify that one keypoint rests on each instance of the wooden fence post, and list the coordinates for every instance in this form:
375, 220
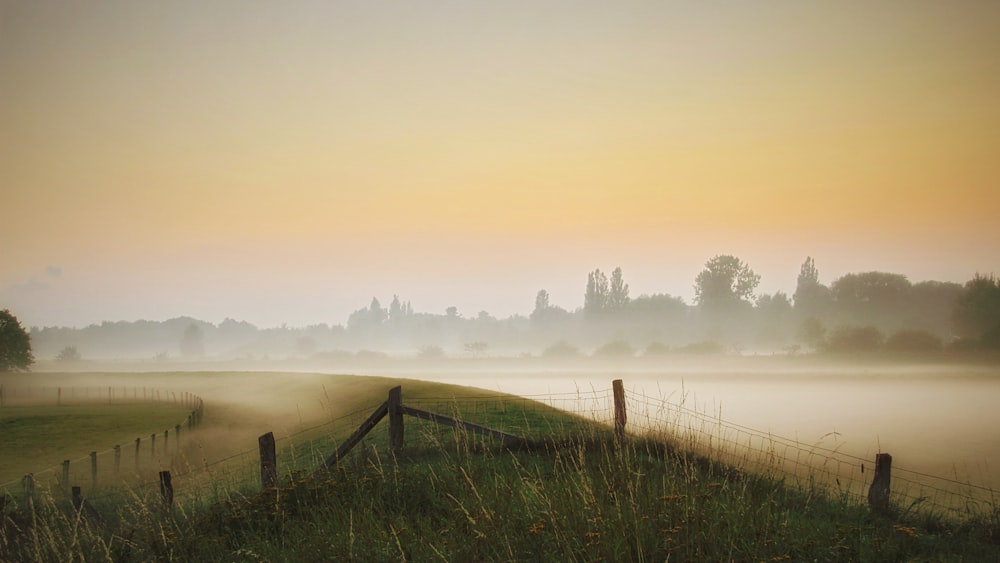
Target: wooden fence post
93, 469
29, 488
395, 419
77, 498
65, 475
166, 442
137, 442
152, 446
268, 461
177, 437
618, 389
166, 490
118, 459
878, 493
59, 397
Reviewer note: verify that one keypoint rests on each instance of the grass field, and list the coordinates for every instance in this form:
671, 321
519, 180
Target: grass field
41, 437
449, 496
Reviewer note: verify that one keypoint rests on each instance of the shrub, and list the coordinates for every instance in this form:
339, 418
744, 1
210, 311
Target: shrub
656, 349
854, 339
705, 347
914, 342
561, 349
616, 349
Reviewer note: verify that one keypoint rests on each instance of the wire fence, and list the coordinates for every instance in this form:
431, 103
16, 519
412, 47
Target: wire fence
134, 461
813, 467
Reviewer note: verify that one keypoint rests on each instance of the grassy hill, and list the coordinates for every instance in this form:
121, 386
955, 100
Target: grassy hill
448, 496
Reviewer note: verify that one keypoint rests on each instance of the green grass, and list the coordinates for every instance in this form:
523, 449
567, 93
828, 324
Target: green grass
41, 437
449, 496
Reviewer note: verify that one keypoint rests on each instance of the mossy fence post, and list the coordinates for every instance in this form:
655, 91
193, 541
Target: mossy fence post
396, 419
878, 493
268, 461
166, 491
618, 389
77, 499
29, 488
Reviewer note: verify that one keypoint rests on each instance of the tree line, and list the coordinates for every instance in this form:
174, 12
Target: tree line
857, 313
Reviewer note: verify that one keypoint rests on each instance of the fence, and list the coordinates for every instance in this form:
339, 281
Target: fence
107, 468
631, 415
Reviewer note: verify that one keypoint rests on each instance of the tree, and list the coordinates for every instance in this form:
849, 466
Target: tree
726, 282
193, 342
68, 355
877, 298
595, 300
395, 310
618, 297
977, 311
15, 344
541, 304
477, 348
811, 298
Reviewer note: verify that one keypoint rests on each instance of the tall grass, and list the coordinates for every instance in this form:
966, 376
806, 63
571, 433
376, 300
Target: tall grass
573, 494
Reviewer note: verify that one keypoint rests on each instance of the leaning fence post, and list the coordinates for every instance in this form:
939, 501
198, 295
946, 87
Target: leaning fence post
166, 442
93, 469
268, 461
878, 493
152, 446
137, 442
620, 417
395, 419
166, 490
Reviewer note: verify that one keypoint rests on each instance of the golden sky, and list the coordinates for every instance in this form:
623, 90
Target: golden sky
285, 162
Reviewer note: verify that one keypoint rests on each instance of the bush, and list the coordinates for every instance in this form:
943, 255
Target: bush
914, 342
854, 340
431, 352
616, 349
561, 349
656, 349
706, 347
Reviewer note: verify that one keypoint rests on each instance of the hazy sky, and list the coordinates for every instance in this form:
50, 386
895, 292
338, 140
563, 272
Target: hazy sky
284, 162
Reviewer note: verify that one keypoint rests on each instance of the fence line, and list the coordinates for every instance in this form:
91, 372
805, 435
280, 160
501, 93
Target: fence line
811, 466
111, 458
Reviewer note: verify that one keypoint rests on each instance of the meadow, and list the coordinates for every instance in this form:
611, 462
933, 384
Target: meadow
43, 436
574, 495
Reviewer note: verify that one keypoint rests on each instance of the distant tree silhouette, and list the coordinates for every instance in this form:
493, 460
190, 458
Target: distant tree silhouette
977, 311
724, 284
618, 297
68, 355
872, 298
595, 300
15, 344
811, 298
193, 342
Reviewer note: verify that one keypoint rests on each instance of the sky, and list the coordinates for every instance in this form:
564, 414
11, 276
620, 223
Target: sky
285, 162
